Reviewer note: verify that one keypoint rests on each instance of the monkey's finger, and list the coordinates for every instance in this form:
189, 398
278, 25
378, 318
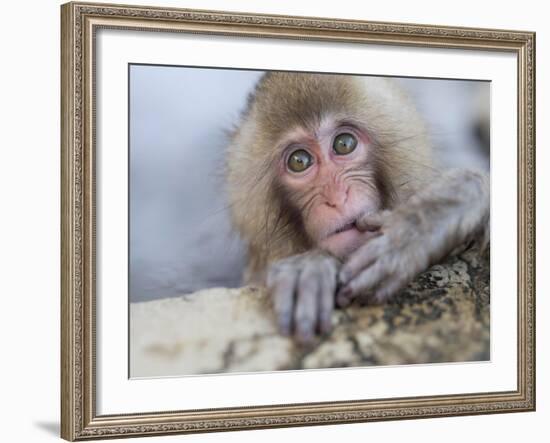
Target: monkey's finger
388, 290
371, 221
361, 259
326, 301
282, 292
306, 312
365, 282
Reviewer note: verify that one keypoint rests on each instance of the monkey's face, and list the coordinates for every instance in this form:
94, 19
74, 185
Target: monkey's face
328, 178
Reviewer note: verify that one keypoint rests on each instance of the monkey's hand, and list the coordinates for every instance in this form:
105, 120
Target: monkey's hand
446, 215
302, 288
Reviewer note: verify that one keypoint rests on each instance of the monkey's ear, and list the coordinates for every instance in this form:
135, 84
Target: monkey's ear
372, 221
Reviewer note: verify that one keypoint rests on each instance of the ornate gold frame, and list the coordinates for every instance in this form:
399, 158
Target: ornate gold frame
79, 21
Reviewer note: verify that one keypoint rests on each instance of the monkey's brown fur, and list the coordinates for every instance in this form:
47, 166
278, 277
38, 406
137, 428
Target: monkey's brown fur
283, 101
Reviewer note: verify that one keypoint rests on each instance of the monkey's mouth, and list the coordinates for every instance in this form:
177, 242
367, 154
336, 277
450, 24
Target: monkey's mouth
349, 227
342, 240
345, 239
344, 228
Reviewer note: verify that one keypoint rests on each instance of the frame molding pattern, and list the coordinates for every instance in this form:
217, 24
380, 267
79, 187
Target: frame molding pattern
79, 21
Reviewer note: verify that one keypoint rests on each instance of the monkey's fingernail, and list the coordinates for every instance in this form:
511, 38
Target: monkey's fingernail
326, 326
284, 327
343, 297
305, 338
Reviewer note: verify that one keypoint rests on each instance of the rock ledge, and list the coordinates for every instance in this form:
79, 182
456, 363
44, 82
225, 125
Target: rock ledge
443, 316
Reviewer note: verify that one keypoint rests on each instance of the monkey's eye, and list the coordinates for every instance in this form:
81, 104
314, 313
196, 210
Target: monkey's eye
299, 161
344, 144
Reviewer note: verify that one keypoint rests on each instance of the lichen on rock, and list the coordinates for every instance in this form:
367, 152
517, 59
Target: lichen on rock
442, 316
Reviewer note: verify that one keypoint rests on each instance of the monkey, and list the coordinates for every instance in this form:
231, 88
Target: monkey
333, 186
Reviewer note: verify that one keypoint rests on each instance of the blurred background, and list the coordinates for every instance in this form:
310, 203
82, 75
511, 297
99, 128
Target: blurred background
180, 236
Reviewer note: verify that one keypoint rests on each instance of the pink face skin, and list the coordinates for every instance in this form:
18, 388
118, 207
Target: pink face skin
335, 189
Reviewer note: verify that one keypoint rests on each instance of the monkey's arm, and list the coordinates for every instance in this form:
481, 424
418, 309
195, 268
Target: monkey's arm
302, 288
450, 212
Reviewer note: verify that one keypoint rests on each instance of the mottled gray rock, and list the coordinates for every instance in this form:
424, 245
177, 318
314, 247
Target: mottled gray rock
443, 316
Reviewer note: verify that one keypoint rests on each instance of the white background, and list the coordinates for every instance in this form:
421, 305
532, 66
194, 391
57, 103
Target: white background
29, 234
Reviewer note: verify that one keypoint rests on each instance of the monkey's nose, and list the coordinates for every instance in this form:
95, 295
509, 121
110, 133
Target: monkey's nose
337, 198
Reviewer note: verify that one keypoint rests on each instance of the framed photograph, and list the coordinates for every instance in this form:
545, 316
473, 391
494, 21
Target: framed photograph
277, 221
